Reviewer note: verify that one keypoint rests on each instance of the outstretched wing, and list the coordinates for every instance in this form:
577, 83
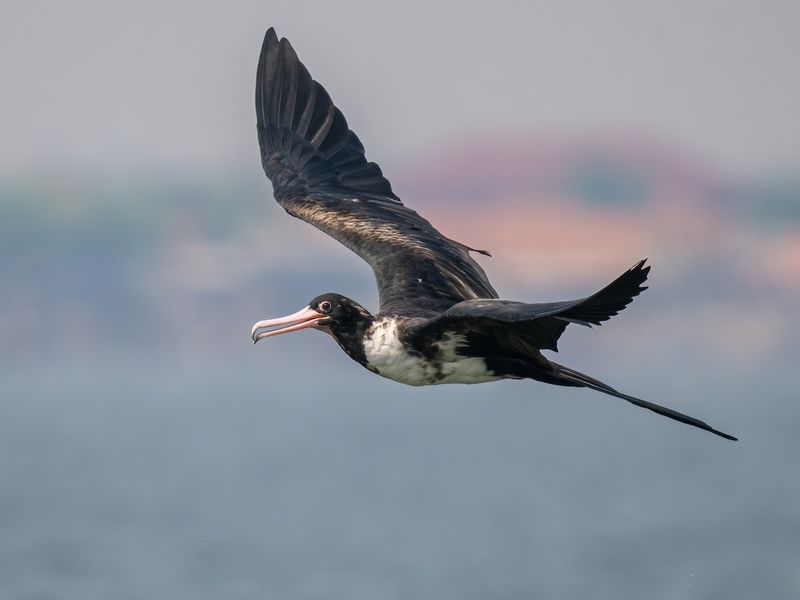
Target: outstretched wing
539, 325
319, 174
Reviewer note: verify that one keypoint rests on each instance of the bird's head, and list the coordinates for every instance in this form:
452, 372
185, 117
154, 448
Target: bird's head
332, 313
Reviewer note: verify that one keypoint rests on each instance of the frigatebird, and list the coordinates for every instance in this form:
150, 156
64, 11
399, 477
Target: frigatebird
440, 320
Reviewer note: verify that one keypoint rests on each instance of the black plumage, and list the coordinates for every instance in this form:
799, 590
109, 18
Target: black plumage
319, 174
440, 319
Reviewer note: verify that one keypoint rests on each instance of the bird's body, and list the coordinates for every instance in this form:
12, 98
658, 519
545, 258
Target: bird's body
440, 319
445, 360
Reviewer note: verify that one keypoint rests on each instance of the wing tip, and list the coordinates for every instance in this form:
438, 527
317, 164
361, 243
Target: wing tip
270, 39
641, 267
286, 46
295, 114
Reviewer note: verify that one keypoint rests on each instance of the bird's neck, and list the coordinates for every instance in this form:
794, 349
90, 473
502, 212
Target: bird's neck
351, 337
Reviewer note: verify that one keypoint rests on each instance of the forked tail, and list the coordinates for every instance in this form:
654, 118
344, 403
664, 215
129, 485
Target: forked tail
572, 377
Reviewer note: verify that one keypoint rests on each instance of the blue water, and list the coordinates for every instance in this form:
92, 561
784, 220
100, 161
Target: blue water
310, 480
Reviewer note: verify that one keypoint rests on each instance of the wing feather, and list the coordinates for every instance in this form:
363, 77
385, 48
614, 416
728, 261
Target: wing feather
320, 174
541, 324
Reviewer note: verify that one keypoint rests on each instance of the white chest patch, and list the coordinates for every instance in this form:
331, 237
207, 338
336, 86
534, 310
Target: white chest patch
386, 356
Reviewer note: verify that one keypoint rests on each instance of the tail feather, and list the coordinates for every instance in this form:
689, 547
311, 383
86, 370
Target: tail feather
572, 377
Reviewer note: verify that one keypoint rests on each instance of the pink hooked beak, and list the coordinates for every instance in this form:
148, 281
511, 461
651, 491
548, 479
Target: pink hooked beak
302, 319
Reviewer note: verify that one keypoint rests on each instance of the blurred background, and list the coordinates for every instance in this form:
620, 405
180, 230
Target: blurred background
148, 450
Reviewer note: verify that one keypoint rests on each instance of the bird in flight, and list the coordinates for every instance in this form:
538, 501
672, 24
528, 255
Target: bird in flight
440, 320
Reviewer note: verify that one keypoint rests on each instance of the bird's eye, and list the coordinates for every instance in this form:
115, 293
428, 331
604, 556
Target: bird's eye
325, 306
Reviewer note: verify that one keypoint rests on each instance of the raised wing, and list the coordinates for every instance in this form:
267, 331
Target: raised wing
319, 174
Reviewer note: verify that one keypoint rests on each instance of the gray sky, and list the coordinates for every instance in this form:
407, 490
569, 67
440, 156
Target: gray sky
111, 85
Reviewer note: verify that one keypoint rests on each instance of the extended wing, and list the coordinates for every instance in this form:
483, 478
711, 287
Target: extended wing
539, 325
319, 174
